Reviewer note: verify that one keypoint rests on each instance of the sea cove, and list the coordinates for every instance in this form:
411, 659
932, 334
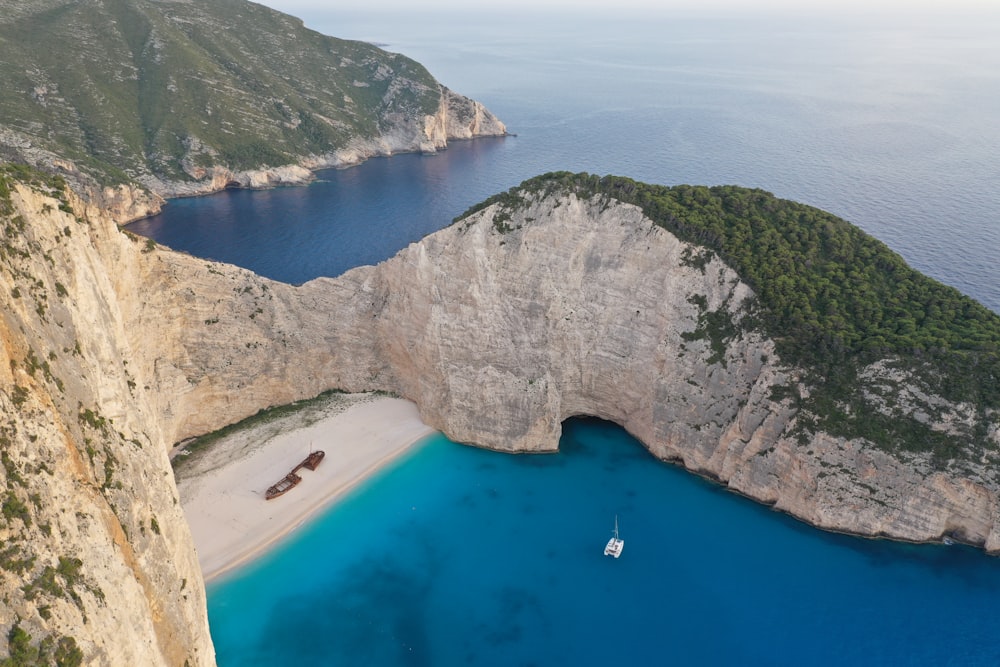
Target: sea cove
460, 556
762, 345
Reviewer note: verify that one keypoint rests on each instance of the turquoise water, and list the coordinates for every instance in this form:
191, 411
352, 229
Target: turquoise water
460, 556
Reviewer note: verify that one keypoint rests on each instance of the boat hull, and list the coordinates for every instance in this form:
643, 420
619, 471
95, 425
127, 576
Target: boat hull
614, 547
312, 461
287, 483
291, 480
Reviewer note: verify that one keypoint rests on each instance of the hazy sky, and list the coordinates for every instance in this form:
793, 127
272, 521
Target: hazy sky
297, 7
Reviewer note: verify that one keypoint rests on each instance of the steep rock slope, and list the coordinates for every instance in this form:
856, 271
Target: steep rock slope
565, 307
96, 560
191, 96
510, 321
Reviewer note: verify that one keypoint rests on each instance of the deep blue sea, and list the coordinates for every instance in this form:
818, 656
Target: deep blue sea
458, 556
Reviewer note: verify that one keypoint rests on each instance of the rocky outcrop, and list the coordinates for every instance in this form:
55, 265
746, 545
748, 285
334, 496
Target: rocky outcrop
499, 328
460, 117
457, 117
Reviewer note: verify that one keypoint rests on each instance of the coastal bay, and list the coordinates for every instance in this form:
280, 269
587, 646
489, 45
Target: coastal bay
456, 555
722, 574
91, 430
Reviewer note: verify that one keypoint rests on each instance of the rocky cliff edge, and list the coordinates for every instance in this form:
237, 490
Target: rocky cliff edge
97, 565
457, 117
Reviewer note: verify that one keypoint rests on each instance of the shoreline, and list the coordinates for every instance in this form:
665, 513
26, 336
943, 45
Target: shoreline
222, 488
188, 190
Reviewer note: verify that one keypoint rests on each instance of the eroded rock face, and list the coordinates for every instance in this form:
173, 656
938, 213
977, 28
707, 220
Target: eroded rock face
502, 328
95, 549
457, 117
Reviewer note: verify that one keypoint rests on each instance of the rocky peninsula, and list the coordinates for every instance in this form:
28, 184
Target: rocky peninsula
188, 98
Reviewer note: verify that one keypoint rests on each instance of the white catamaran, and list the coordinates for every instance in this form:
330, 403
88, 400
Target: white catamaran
615, 544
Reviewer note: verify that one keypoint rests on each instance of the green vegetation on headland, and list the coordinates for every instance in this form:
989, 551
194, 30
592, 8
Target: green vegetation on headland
834, 300
133, 88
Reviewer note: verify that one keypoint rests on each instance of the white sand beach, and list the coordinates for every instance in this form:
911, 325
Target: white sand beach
222, 488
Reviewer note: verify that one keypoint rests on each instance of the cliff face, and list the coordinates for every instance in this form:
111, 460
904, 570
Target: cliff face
96, 558
499, 328
456, 117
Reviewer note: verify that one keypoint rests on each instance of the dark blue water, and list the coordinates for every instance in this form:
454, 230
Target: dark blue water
887, 121
459, 556
349, 218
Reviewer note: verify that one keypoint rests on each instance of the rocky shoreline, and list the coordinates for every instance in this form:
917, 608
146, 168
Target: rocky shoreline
458, 118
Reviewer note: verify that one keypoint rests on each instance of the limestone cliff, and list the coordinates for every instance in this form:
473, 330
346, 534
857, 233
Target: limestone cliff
504, 325
96, 560
456, 117
499, 327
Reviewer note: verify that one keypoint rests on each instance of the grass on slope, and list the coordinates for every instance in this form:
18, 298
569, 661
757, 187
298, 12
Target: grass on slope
132, 87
